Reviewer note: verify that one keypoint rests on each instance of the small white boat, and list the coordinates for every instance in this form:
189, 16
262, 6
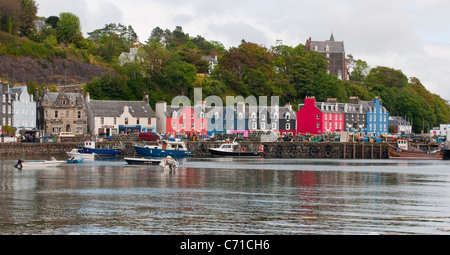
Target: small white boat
38, 164
142, 161
77, 154
169, 162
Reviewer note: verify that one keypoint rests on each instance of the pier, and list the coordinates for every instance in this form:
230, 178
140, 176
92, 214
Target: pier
330, 150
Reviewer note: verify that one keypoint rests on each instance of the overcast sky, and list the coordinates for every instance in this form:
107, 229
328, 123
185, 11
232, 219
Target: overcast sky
409, 35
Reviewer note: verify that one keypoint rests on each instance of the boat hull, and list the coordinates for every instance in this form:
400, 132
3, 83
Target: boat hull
86, 150
220, 153
142, 161
396, 153
74, 153
161, 153
39, 164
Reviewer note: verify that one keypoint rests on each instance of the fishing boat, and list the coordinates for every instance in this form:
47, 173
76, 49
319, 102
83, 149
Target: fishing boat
74, 160
38, 164
169, 163
234, 149
172, 147
89, 148
142, 161
77, 154
402, 151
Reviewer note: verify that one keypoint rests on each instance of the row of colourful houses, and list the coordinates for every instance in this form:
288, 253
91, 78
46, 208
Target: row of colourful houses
55, 112
364, 117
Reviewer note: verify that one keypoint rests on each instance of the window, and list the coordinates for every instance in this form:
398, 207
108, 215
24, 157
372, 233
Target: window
326, 117
67, 114
253, 115
56, 114
263, 117
115, 120
79, 114
288, 116
254, 125
126, 121
174, 114
327, 48
263, 125
318, 116
288, 126
102, 120
318, 125
274, 125
138, 121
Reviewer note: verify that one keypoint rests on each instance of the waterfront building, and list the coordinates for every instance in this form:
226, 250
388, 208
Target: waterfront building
399, 125
18, 108
107, 118
334, 52
180, 120
354, 115
61, 112
377, 117
317, 118
442, 130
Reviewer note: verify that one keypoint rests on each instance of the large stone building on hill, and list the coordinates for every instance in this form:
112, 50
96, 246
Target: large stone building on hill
334, 51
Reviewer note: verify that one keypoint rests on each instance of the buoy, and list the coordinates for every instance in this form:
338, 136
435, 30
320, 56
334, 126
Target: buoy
243, 150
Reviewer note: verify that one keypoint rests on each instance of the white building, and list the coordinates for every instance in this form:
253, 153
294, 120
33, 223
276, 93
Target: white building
106, 118
18, 108
441, 130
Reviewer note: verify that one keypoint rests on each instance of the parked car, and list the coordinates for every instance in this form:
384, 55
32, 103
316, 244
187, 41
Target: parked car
149, 136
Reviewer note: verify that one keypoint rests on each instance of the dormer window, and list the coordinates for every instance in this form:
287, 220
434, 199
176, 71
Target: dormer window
327, 48
174, 114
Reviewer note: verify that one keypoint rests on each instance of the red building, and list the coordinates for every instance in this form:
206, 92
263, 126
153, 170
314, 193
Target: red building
319, 118
176, 120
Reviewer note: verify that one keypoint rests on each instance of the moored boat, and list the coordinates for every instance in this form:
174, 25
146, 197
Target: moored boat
38, 164
76, 153
142, 161
402, 151
234, 149
172, 147
89, 148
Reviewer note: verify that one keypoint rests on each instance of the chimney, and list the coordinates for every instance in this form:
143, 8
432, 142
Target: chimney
146, 99
310, 101
5, 87
289, 106
354, 100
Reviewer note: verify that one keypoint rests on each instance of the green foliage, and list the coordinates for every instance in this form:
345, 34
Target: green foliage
68, 28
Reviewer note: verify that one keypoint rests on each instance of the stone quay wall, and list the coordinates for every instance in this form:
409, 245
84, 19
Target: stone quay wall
330, 150
334, 150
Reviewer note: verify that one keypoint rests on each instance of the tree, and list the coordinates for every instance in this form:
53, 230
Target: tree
68, 28
17, 16
387, 77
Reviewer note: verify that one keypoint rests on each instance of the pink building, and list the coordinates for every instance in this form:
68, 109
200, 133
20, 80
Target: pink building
319, 118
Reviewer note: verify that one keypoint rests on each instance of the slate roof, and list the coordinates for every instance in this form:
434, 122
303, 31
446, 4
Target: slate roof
108, 108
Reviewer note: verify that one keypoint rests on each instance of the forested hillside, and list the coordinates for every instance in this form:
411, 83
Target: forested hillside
169, 63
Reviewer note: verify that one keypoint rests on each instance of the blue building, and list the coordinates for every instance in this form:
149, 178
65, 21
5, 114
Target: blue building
377, 118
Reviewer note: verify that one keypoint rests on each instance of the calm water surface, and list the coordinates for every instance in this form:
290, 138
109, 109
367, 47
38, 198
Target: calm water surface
228, 196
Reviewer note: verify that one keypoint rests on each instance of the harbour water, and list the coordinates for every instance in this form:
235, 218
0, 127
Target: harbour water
228, 196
